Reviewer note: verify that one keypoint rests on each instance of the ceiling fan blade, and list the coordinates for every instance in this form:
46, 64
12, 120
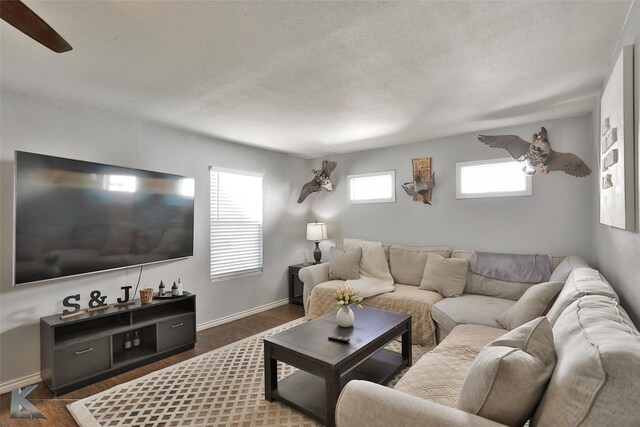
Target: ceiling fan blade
24, 19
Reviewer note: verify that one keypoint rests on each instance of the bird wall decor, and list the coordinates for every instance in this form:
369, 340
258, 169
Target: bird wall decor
321, 179
420, 186
538, 154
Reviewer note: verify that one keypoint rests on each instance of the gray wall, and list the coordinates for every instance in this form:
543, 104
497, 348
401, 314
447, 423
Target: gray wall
41, 126
555, 220
617, 252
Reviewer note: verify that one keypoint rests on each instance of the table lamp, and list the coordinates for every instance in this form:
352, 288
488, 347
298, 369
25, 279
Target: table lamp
317, 231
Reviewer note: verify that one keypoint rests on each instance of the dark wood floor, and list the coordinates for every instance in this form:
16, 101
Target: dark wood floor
209, 339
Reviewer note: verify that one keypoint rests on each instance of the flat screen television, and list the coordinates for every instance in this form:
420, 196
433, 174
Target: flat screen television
75, 217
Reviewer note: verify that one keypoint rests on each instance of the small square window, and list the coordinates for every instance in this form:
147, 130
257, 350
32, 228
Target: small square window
378, 187
491, 178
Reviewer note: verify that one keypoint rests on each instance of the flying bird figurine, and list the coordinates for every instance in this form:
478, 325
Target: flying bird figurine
538, 154
322, 179
420, 186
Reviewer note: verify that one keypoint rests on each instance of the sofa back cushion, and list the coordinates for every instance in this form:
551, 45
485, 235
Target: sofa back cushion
406, 263
597, 375
481, 285
581, 282
562, 271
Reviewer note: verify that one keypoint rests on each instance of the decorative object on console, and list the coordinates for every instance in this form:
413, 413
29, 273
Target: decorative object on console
75, 307
320, 180
617, 156
317, 231
127, 298
538, 154
180, 286
421, 189
169, 295
146, 295
96, 300
136, 339
174, 290
306, 260
161, 289
127, 342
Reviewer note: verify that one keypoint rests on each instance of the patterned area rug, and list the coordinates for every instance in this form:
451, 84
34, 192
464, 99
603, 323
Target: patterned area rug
224, 387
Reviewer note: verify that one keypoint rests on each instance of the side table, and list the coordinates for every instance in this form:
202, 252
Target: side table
295, 284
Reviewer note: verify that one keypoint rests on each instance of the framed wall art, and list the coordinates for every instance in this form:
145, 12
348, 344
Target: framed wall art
617, 142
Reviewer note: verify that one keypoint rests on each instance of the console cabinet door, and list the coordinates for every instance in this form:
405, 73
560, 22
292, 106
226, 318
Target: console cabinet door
176, 332
79, 360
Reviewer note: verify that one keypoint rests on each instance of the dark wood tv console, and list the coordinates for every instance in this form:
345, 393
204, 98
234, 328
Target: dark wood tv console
81, 350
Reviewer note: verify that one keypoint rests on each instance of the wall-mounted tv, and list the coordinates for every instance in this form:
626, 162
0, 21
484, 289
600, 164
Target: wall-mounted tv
75, 217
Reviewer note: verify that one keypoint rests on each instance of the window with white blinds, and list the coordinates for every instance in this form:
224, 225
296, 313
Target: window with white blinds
236, 223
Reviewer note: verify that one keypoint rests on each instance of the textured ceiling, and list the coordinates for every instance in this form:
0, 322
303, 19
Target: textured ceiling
314, 78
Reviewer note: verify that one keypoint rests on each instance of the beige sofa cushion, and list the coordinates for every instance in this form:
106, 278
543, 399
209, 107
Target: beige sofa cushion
447, 276
581, 282
407, 262
507, 379
562, 271
439, 374
597, 377
481, 285
469, 309
344, 265
535, 302
404, 299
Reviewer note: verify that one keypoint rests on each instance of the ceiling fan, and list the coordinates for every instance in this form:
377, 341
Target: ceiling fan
24, 19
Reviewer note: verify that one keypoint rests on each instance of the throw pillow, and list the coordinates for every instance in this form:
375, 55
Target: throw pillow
447, 276
535, 302
344, 265
508, 377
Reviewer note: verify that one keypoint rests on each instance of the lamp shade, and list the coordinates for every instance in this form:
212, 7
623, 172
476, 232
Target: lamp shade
316, 231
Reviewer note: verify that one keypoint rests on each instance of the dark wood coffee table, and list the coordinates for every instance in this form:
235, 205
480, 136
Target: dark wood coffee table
326, 366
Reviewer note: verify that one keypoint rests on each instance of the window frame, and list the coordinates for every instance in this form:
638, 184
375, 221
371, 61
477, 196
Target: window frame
528, 191
245, 272
391, 199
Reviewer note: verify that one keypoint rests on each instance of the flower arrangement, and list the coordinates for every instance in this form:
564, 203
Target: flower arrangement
346, 295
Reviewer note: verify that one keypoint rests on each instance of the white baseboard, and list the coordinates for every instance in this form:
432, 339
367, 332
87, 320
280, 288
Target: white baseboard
7, 386
236, 316
33, 378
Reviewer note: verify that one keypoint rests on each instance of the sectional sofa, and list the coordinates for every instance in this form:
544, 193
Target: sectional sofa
433, 316
594, 382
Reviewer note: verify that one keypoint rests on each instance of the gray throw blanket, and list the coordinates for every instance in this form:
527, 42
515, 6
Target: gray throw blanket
512, 267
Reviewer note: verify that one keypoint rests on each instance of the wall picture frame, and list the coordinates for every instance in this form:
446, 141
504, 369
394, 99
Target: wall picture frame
617, 146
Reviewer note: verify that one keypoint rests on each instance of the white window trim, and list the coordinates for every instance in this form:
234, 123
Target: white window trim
245, 273
391, 199
528, 191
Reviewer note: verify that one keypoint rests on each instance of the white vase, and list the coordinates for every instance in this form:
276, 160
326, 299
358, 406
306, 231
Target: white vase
345, 317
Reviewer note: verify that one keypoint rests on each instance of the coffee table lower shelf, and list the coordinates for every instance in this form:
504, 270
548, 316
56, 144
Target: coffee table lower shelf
306, 392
